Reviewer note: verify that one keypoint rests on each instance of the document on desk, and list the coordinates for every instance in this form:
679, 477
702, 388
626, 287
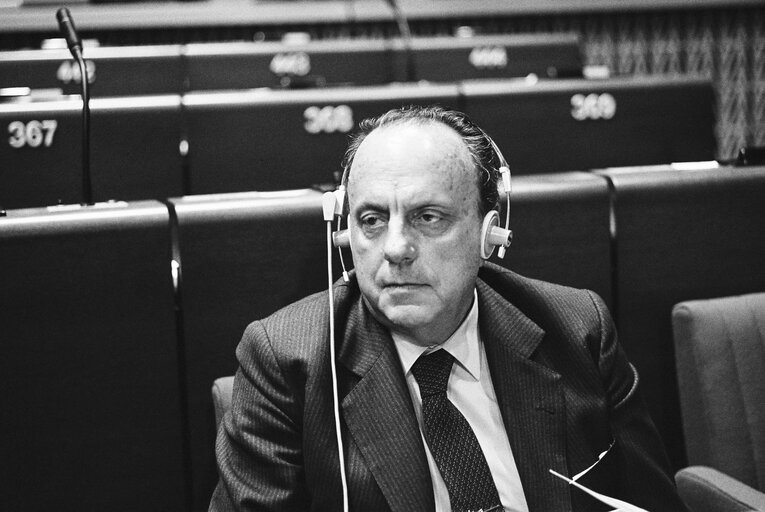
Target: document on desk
621, 506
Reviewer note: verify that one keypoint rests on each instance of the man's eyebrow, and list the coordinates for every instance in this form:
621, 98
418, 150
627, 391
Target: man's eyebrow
370, 205
419, 203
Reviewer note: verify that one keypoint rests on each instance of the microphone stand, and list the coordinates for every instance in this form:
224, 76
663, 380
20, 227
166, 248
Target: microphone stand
66, 25
87, 187
405, 34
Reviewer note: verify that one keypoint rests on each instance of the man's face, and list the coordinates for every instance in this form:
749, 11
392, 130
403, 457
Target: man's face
415, 228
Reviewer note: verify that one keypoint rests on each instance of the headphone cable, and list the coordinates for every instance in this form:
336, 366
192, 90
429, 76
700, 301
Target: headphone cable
333, 364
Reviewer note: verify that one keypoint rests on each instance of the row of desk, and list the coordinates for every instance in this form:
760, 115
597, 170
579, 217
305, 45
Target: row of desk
154, 147
116, 318
293, 62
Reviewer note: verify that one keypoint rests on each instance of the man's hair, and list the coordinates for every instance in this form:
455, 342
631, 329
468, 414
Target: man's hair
482, 150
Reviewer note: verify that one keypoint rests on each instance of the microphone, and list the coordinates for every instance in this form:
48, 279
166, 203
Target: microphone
66, 26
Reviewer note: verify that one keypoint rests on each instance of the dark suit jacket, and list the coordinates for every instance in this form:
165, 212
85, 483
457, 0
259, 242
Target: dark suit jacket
565, 389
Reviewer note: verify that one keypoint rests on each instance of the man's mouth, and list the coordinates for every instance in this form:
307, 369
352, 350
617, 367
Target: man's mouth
402, 285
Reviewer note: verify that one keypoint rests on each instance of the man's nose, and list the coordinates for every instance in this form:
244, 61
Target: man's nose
399, 246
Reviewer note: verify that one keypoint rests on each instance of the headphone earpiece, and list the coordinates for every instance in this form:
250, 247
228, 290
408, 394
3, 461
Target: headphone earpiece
492, 235
341, 239
332, 204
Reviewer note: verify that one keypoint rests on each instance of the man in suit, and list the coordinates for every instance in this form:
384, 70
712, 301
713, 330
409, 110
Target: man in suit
460, 383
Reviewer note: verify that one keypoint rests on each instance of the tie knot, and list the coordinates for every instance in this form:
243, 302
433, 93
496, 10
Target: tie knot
432, 372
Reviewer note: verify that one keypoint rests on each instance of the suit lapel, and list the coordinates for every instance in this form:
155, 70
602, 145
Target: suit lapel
530, 398
379, 414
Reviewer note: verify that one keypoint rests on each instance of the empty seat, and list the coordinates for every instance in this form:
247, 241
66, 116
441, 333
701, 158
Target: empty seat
112, 71
245, 65
680, 235
134, 150
563, 125
91, 401
560, 226
705, 489
448, 59
243, 256
720, 352
278, 140
222, 394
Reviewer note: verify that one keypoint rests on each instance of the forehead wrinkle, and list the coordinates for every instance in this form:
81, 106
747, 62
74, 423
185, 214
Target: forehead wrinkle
407, 198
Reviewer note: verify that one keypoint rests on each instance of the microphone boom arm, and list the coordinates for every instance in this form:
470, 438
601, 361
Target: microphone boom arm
66, 26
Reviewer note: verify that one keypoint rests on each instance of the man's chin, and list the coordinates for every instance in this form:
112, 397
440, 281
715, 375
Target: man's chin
406, 317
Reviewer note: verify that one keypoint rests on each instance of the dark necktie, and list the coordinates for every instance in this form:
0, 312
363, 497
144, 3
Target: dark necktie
451, 440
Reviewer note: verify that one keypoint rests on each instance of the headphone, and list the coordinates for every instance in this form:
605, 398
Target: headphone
492, 234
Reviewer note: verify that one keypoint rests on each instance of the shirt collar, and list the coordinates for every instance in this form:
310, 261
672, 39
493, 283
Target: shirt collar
463, 345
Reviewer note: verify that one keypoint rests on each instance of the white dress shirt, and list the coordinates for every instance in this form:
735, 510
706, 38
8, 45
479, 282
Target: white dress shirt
470, 389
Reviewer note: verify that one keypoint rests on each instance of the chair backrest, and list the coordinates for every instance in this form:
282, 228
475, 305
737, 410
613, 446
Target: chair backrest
243, 256
720, 354
91, 395
679, 235
704, 489
222, 390
134, 150
561, 234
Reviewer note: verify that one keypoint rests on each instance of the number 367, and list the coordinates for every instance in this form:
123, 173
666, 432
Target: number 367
33, 133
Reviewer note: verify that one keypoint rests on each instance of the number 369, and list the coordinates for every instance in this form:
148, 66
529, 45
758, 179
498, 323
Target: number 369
593, 106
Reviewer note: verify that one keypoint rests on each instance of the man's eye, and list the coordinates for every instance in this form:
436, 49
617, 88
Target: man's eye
428, 218
370, 221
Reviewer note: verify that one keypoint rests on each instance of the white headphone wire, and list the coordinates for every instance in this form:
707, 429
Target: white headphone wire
333, 364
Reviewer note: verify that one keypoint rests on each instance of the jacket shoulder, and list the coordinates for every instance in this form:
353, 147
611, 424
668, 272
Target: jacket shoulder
540, 298
303, 324
561, 311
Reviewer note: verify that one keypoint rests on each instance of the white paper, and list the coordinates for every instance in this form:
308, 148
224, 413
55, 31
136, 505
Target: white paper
621, 506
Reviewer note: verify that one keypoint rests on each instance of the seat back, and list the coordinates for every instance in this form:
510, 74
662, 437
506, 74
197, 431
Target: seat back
91, 401
565, 125
222, 391
243, 257
680, 235
560, 225
720, 355
285, 139
134, 150
704, 489
112, 71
